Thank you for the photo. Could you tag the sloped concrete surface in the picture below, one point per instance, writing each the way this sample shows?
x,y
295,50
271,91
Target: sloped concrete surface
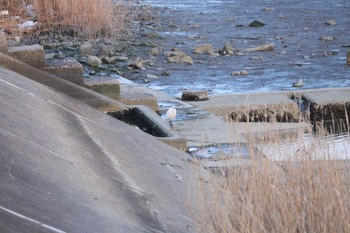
x,y
66,167
84,95
31,54
205,129
69,70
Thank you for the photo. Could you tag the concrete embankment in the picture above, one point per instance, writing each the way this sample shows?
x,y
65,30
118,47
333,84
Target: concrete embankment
x,y
249,118
67,167
84,95
242,118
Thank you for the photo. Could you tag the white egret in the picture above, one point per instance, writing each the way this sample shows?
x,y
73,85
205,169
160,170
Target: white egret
x,y
170,115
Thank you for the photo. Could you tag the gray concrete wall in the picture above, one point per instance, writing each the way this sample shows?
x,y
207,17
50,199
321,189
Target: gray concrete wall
x,y
84,95
66,167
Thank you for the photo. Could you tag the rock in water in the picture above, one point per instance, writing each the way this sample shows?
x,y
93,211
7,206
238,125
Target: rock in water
x,y
327,38
227,50
348,58
86,49
194,95
299,83
151,76
261,48
204,49
244,72
256,24
178,57
94,61
331,22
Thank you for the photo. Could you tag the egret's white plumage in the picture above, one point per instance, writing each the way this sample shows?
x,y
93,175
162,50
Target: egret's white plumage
x,y
170,115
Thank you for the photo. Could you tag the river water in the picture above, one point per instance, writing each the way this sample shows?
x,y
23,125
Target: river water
x,y
295,27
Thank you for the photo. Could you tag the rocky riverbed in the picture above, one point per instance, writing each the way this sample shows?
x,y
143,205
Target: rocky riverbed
x,y
307,40
221,46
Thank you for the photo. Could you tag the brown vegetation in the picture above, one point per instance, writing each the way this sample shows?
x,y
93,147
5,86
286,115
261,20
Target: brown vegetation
x,y
89,18
305,195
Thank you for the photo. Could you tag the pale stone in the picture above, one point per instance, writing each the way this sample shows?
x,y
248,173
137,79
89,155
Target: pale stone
x,y
331,22
299,83
268,9
86,49
154,51
227,50
204,49
235,73
115,59
151,76
264,47
327,38
28,24
178,57
50,56
244,72
137,64
94,61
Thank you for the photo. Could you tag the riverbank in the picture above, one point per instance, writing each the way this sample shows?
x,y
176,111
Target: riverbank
x,y
309,41
211,45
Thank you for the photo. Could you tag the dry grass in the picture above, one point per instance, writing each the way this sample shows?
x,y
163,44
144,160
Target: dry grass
x,y
88,18
298,196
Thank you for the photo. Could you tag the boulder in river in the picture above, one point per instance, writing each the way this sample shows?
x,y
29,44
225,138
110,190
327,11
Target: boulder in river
x,y
194,95
264,47
178,57
298,83
204,49
227,50
256,24
331,22
86,49
94,61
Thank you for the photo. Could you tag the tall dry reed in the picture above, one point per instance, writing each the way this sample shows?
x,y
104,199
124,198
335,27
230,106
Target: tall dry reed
x,y
89,18
300,196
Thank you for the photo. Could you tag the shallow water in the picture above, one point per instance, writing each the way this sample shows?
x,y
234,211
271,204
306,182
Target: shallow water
x,y
308,147
222,152
328,148
294,26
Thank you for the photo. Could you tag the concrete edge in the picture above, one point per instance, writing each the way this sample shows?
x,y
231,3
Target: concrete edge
x,y
287,93
89,97
82,94
173,138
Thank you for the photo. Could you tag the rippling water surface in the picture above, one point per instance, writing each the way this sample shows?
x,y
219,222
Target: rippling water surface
x,y
294,26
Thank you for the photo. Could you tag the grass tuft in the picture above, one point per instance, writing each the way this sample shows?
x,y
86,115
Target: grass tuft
x,y
87,18
307,194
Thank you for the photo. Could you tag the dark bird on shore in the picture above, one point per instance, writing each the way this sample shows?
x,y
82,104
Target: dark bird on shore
x,y
298,83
